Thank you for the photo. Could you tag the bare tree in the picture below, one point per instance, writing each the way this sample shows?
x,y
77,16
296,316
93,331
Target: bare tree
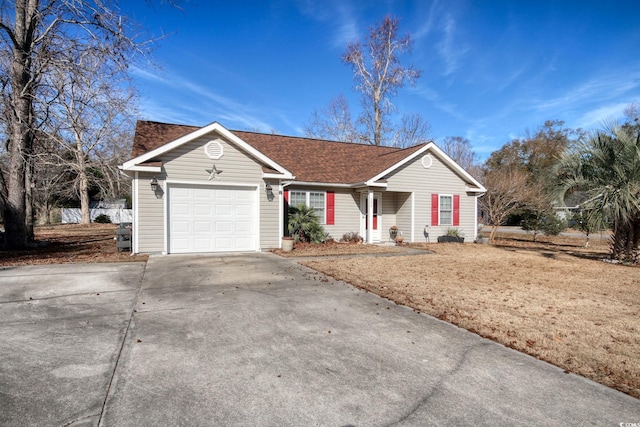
x,y
44,36
507,191
414,129
379,74
461,151
333,122
91,103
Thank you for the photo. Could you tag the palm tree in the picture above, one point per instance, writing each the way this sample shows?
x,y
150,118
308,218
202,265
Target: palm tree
x,y
606,166
304,224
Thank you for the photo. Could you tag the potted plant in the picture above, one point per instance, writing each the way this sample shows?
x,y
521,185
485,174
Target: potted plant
x,y
287,244
393,232
451,235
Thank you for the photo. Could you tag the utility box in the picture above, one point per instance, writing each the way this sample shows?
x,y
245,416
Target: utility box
x,y
123,236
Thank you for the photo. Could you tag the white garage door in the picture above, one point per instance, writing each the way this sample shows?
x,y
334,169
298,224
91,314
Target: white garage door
x,y
211,219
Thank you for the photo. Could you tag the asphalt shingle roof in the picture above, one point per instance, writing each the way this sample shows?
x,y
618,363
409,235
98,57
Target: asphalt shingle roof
x,y
310,160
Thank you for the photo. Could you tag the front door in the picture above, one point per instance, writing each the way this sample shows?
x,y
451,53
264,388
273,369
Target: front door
x,y
376,235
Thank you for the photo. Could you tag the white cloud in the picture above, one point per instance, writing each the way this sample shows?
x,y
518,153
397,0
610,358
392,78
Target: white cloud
x,y
450,51
604,87
428,25
599,117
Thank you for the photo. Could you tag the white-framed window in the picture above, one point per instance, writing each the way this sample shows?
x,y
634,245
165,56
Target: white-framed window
x,y
446,209
313,199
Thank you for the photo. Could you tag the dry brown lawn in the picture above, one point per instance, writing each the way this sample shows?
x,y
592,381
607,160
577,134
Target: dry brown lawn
x,y
71,243
554,300
336,249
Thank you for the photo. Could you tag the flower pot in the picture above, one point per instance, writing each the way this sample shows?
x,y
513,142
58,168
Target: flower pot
x,y
287,244
393,233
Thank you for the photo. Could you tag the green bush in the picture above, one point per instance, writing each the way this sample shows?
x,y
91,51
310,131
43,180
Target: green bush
x,y
304,225
102,219
547,223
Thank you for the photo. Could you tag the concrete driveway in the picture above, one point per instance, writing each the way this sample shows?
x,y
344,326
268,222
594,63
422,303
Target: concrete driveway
x,y
255,339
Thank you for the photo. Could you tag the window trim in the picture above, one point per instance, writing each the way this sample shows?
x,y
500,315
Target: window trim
x,y
440,196
307,192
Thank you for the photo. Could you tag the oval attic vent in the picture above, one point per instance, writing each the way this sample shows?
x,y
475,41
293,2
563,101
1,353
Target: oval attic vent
x,y
214,149
427,161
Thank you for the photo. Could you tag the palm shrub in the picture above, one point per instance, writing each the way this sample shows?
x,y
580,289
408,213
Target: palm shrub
x,y
304,225
606,166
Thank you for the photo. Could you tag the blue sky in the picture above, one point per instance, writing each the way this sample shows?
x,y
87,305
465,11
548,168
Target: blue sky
x,y
491,70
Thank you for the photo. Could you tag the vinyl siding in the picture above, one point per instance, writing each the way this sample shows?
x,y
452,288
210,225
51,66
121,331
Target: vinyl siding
x,y
438,179
269,221
389,214
403,217
188,163
150,216
347,214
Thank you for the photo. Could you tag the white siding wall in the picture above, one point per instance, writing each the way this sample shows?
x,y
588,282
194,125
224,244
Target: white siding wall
x,y
438,179
188,163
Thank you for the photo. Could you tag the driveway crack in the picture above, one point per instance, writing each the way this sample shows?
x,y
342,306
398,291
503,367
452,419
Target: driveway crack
x,y
124,340
438,385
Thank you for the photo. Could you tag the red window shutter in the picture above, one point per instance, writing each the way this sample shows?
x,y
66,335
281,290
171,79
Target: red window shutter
x,y
286,196
434,209
456,210
331,202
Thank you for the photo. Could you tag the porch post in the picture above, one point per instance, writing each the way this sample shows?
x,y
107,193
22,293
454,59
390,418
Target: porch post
x,y
370,216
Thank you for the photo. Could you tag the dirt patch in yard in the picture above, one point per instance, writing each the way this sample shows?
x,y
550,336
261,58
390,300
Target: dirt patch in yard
x,y
553,299
71,243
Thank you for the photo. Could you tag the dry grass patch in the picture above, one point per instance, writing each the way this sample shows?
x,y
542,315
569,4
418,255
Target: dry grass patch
x,y
71,243
553,300
336,249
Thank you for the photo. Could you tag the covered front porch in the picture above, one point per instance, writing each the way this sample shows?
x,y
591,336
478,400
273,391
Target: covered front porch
x,y
381,210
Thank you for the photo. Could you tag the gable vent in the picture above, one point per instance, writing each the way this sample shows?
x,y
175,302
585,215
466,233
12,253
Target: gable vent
x,y
427,161
214,149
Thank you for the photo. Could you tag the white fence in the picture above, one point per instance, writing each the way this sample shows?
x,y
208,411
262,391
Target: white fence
x,y
73,216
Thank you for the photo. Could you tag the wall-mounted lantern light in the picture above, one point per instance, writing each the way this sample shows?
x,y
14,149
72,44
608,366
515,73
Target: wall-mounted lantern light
x,y
154,184
269,189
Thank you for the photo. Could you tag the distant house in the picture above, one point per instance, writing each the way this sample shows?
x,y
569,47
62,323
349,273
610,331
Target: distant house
x,y
210,189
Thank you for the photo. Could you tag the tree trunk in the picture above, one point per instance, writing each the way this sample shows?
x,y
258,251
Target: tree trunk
x,y
83,188
17,230
492,235
377,134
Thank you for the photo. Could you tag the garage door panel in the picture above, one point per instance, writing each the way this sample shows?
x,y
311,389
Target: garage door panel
x,y
201,209
224,194
181,227
224,210
180,244
202,226
180,209
243,209
201,193
224,227
212,219
243,244
244,227
202,244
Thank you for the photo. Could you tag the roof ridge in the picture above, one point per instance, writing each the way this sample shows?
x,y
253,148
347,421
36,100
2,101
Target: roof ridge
x,y
383,147
359,144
